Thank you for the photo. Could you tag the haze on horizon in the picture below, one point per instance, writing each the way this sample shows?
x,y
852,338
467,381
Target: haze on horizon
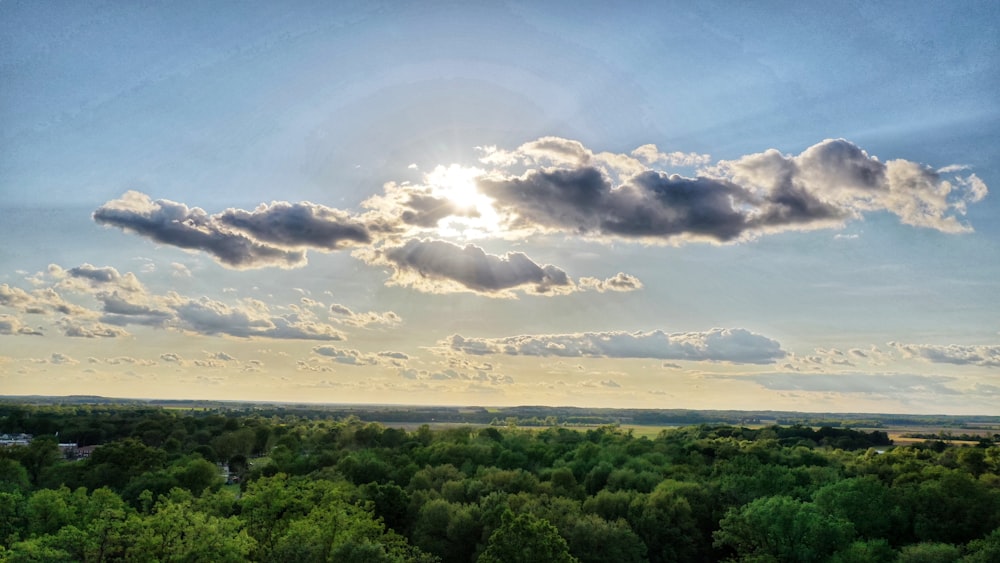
x,y
706,206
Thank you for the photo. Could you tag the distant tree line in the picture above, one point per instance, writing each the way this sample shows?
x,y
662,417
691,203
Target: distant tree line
x,y
525,415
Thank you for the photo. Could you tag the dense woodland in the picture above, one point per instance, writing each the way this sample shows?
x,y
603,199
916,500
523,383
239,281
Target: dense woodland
x,y
313,488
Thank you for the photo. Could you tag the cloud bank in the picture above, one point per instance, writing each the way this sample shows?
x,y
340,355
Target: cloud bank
x,y
614,198
735,345
955,354
123,300
890,385
557,185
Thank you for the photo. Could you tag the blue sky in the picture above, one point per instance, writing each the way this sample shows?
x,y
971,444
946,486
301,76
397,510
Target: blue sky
x,y
780,206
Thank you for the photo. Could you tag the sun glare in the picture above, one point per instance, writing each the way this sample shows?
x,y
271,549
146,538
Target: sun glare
x,y
457,184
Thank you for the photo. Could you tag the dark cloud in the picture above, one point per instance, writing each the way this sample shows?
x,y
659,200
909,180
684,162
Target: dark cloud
x,y
567,199
437,266
93,273
172,223
723,345
338,309
650,205
297,225
619,197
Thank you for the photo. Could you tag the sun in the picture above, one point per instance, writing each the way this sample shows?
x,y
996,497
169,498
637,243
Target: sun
x,y
458,184
475,215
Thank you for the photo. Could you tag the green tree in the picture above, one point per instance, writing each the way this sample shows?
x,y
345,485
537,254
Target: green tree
x,y
564,483
336,530
196,474
610,505
230,444
592,539
36,550
13,476
268,507
390,502
12,523
106,525
526,539
452,531
176,531
870,551
952,507
784,529
973,460
114,465
929,552
157,483
865,502
674,521
48,510
984,550
38,456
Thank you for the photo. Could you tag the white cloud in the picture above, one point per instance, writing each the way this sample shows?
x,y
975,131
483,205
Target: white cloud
x,y
475,377
723,345
248,318
179,270
344,315
59,358
11,325
91,330
619,282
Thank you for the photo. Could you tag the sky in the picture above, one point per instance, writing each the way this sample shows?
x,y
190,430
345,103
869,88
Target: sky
x,y
678,205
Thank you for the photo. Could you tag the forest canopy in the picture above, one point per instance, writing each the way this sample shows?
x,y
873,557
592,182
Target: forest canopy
x,y
142,483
